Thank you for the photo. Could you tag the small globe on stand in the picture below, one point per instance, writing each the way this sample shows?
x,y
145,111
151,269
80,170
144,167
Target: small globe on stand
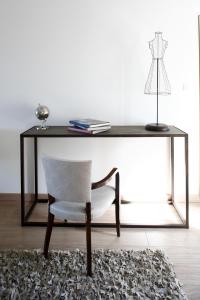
x,y
42,113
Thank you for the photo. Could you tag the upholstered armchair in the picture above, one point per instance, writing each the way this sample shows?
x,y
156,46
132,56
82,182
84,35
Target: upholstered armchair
x,y
73,197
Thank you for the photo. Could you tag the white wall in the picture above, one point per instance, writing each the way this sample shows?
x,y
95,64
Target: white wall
x,y
91,59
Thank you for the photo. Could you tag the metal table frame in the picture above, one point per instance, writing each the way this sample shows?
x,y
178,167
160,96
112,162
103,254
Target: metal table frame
x,y
116,132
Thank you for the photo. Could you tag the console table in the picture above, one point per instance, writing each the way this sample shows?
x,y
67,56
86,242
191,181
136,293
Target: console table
x,y
114,132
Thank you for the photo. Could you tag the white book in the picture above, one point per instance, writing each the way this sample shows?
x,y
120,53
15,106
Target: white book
x,y
93,131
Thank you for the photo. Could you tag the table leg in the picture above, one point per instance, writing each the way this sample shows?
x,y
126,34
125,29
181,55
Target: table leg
x,y
36,167
22,179
171,198
187,181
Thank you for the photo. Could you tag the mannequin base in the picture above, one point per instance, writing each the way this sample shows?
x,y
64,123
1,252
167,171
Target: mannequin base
x,y
157,127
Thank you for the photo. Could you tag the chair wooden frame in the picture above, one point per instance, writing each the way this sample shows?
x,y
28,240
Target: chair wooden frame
x,y
94,185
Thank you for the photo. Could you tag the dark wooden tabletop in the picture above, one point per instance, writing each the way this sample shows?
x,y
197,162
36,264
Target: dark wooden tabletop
x,y
115,131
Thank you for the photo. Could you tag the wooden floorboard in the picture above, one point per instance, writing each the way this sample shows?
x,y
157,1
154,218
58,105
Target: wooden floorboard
x,y
182,246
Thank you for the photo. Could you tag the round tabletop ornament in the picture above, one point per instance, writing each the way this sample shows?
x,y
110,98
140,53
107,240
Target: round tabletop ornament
x,y
42,113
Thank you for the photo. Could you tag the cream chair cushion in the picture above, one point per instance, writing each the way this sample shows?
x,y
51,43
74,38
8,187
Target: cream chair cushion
x,y
101,200
69,182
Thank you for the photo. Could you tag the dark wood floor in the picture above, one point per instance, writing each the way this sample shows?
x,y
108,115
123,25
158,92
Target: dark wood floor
x,y
182,246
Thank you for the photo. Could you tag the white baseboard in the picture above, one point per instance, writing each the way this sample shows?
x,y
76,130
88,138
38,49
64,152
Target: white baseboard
x,y
179,198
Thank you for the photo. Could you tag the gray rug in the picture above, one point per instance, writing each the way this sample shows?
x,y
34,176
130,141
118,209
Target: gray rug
x,y
137,275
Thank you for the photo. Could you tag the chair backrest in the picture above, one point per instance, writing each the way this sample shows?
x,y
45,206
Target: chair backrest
x,y
68,180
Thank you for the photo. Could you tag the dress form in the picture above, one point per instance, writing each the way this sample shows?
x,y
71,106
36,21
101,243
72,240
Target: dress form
x,y
157,81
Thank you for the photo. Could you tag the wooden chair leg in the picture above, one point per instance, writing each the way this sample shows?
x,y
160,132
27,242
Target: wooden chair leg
x,y
117,218
48,234
88,239
117,204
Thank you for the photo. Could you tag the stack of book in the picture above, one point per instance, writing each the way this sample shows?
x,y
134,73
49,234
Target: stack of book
x,y
89,126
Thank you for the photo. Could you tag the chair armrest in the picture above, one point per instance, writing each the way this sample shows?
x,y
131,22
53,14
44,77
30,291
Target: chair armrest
x,y
105,180
51,199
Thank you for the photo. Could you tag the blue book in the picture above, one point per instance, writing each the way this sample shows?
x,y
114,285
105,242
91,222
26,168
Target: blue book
x,y
89,123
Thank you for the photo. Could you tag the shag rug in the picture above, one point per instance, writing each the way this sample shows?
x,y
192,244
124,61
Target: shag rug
x,y
136,275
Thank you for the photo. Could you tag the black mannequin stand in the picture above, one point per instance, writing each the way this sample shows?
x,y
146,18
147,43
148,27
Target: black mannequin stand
x,y
157,126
